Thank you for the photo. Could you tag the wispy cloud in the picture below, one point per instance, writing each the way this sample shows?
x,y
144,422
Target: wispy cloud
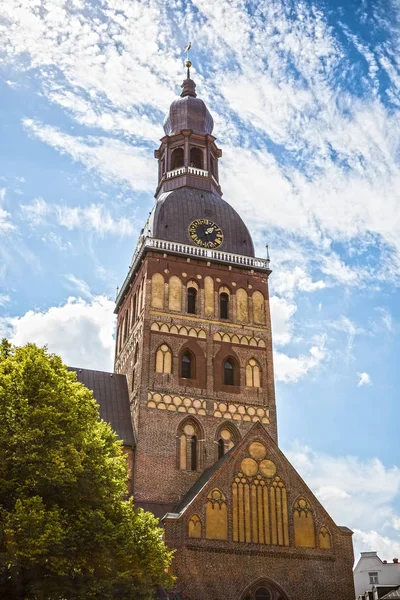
x,y
93,217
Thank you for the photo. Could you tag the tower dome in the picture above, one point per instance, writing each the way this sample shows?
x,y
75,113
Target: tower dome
x,y
188,112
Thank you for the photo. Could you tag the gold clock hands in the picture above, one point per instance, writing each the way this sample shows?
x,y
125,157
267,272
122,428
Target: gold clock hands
x,y
209,230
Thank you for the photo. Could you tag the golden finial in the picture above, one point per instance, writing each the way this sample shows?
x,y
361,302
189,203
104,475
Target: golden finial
x,y
188,63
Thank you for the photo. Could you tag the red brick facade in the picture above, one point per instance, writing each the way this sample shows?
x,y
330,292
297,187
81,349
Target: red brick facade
x,y
244,524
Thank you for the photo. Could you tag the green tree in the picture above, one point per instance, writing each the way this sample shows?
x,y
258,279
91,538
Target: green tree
x,y
66,529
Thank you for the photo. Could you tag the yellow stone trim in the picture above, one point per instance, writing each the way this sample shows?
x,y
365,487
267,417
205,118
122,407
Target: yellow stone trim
x,y
178,330
173,403
241,412
246,340
211,321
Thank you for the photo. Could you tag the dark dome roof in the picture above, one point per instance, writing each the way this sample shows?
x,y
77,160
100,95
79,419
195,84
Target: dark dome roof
x,y
188,112
175,211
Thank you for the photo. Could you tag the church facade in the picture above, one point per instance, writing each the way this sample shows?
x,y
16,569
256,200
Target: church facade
x,y
194,345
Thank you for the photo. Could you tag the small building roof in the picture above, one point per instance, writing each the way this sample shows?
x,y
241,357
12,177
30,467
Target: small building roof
x,y
110,391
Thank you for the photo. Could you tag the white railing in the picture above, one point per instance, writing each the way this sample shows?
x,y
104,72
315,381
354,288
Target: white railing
x,y
184,170
189,250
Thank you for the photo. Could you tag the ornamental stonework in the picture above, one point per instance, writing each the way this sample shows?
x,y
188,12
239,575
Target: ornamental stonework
x,y
180,404
241,412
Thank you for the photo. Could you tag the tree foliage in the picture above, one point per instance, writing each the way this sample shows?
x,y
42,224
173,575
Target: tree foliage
x,y
66,529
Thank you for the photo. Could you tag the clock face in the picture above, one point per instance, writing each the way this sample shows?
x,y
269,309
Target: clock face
x,y
205,233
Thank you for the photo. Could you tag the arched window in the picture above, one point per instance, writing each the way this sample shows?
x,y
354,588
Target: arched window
x,y
189,448
196,158
253,378
136,353
303,520
191,300
133,380
224,305
227,437
187,366
163,359
228,373
177,158
126,323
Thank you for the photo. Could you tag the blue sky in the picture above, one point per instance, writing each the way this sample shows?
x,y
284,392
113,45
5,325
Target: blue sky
x,y
305,97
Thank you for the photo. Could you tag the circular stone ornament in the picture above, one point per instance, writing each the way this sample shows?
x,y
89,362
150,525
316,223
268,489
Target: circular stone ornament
x,y
267,468
257,450
249,467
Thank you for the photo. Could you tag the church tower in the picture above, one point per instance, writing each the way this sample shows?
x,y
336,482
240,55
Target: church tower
x,y
194,341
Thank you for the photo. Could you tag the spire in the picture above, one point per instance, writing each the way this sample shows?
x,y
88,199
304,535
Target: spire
x,y
188,86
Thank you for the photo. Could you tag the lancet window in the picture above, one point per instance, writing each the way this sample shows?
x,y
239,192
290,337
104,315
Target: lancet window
x,y
190,444
163,359
253,376
259,501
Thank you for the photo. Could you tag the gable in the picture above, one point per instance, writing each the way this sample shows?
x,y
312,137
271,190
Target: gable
x,y
254,495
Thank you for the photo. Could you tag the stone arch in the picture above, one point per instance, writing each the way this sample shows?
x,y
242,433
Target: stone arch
x,y
163,359
177,158
157,291
227,436
275,590
175,293
253,373
303,521
242,308
190,438
258,307
216,516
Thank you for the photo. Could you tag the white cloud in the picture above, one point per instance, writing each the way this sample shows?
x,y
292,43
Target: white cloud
x,y
5,224
290,369
80,331
364,379
80,285
94,217
282,311
361,494
112,159
2,194
4,299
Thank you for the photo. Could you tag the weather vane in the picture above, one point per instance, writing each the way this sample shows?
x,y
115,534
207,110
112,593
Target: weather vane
x,y
188,63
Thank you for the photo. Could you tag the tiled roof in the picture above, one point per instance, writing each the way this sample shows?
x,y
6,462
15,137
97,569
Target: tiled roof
x,y
111,393
199,484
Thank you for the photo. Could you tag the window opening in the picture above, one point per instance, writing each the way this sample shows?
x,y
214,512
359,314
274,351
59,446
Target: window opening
x,y
196,158
191,300
228,373
177,158
186,366
262,594
373,577
223,305
193,453
221,448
